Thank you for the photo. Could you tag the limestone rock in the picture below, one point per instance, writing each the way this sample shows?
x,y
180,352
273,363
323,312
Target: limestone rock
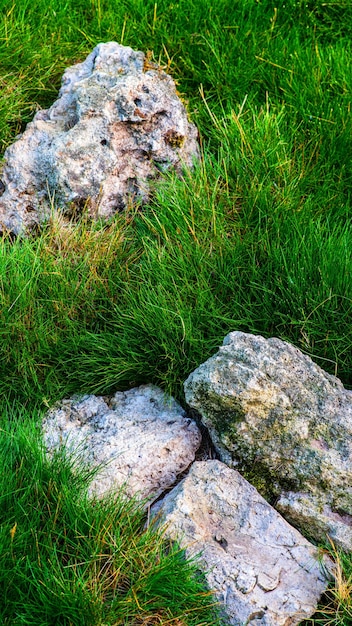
x,y
271,410
141,438
116,124
263,572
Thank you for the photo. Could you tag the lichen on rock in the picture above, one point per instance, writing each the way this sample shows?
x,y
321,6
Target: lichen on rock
x,y
269,406
116,125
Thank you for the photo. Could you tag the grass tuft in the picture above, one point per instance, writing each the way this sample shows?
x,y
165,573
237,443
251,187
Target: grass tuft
x,y
68,560
335,609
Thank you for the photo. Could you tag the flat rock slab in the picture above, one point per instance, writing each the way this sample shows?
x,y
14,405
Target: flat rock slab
x,y
263,571
117,123
142,438
269,408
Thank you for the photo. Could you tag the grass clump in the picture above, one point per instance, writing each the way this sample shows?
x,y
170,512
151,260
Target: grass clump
x,y
68,560
335,608
150,296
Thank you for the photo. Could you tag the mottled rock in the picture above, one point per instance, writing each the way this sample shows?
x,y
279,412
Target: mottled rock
x,y
117,123
263,572
141,438
274,412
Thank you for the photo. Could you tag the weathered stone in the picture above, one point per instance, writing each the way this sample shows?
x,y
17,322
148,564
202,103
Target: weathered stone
x,y
117,123
141,438
271,410
263,572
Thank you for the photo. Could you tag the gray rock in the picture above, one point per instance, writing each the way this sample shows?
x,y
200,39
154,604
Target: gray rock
x,y
263,572
117,123
270,410
141,439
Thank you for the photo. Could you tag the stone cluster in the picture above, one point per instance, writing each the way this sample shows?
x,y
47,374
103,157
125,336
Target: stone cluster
x,y
269,409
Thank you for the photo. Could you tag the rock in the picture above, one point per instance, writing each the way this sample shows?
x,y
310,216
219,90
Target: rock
x,y
263,572
270,410
116,124
141,438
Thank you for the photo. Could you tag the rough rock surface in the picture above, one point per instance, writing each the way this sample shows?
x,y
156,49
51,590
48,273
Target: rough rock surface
x,y
271,410
263,571
141,437
116,124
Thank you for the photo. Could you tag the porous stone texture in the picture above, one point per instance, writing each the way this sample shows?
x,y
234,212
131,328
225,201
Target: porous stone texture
x,y
141,438
271,410
118,122
263,572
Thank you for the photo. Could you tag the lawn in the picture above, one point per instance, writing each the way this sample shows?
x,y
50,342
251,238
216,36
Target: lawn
x,y
256,238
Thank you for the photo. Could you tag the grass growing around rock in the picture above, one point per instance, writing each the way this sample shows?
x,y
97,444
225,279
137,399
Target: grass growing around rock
x,y
67,560
257,238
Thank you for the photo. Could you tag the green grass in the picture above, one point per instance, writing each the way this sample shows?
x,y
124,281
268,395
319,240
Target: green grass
x,y
257,238
335,608
67,560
